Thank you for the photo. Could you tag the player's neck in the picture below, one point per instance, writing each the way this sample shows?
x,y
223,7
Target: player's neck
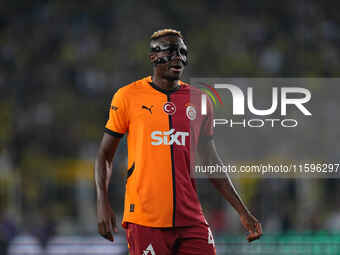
x,y
165,83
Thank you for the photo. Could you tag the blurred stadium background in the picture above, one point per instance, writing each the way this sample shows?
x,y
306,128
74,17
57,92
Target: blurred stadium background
x,y
61,62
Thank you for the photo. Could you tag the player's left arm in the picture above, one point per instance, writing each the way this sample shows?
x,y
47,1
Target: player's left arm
x,y
209,155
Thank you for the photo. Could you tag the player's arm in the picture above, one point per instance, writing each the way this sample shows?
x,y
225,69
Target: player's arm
x,y
209,155
102,172
115,128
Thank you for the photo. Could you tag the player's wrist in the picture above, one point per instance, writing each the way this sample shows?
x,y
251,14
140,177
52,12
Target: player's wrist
x,y
244,212
102,197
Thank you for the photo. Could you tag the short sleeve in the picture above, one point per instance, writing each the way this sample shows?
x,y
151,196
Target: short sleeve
x,y
117,124
207,130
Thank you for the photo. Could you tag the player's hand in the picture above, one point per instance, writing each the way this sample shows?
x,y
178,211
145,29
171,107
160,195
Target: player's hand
x,y
252,225
106,220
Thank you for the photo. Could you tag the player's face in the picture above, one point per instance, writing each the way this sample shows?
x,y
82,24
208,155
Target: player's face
x,y
173,49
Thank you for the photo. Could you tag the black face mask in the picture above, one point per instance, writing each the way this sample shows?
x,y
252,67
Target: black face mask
x,y
172,50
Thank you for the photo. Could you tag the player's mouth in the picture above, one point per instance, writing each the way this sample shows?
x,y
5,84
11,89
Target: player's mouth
x,y
176,68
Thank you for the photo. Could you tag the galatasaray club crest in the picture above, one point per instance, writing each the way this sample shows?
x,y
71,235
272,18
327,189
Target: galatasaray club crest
x,y
191,112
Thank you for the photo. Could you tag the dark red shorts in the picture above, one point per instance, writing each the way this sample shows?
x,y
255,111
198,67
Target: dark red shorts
x,y
195,240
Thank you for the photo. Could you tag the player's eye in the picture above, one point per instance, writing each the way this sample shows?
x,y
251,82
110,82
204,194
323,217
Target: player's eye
x,y
156,49
183,52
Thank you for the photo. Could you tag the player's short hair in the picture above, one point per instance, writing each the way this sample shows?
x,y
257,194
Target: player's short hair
x,y
164,32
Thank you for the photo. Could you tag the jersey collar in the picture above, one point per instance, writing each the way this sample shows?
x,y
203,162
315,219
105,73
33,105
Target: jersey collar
x,y
167,92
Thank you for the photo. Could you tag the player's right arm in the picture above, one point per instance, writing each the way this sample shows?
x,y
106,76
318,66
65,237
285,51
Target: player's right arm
x,y
115,128
102,172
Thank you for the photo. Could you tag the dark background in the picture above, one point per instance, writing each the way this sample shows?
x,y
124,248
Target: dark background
x,y
61,62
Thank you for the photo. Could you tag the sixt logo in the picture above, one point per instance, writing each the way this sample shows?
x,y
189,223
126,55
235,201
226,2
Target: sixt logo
x,y
168,137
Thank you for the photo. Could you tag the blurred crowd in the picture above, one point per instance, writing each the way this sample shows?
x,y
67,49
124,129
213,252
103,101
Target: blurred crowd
x,y
61,62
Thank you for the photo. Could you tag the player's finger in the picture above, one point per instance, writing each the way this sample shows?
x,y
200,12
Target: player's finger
x,y
250,236
101,228
256,234
113,224
252,227
109,236
107,226
258,227
105,231
110,230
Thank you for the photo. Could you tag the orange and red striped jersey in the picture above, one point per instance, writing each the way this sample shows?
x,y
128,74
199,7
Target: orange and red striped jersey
x,y
162,127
